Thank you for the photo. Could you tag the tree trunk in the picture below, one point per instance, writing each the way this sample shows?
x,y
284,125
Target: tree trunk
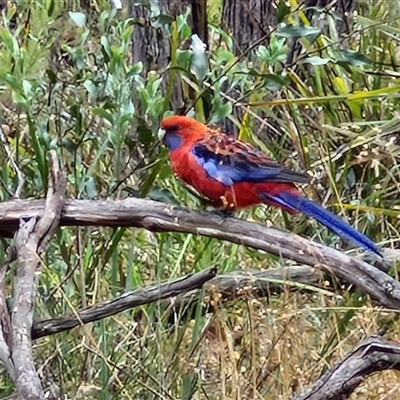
x,y
249,22
152,45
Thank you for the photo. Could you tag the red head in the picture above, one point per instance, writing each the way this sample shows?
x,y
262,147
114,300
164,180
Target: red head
x,y
177,130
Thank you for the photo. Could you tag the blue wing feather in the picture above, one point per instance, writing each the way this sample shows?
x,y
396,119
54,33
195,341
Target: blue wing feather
x,y
231,161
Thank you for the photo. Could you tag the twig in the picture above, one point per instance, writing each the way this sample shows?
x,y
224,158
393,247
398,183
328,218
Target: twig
x,y
124,302
31,241
371,355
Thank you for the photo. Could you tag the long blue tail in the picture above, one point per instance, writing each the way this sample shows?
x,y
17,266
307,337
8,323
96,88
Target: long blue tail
x,y
323,216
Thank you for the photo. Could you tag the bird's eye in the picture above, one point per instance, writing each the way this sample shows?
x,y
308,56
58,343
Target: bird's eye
x,y
172,130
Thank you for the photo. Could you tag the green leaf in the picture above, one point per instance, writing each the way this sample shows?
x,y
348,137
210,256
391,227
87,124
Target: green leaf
x,y
79,18
27,87
91,88
275,82
9,40
161,20
90,188
282,11
68,144
299,31
163,195
224,111
127,32
315,60
355,58
199,60
101,112
127,108
13,82
21,100
272,81
50,10
351,179
77,116
52,76
38,149
135,70
105,47
145,135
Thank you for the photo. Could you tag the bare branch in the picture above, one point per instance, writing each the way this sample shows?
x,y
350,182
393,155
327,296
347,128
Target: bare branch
x,y
124,302
160,217
188,290
234,285
31,241
371,355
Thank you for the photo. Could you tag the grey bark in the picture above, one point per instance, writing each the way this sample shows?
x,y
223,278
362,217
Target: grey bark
x,y
30,242
370,355
189,292
123,302
161,217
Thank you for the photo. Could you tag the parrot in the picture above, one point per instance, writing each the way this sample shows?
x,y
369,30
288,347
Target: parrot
x,y
232,174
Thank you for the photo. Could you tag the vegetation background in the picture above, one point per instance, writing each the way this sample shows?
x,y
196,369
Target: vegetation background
x,y
319,91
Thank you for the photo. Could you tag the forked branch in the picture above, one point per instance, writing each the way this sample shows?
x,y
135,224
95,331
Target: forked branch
x,y
30,242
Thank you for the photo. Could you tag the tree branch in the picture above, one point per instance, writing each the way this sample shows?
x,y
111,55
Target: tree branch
x,y
30,242
188,290
160,217
235,285
371,355
124,302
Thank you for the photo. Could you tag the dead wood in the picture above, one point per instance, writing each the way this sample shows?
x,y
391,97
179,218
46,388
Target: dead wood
x,y
160,217
124,302
30,242
189,290
371,355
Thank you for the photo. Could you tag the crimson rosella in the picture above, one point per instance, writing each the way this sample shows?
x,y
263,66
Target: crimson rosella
x,y
233,174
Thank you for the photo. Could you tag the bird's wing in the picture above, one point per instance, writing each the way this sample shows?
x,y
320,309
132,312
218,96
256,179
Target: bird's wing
x,y
231,161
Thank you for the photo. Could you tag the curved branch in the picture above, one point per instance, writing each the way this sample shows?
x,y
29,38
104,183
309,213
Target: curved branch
x,y
123,302
188,290
371,355
160,217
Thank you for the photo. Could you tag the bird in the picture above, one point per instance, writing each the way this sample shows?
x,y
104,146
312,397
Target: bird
x,y
232,174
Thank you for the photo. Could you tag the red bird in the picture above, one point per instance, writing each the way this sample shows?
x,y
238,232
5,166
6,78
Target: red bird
x,y
233,174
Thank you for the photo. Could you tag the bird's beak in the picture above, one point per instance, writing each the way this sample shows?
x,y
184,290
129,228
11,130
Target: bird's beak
x,y
161,134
